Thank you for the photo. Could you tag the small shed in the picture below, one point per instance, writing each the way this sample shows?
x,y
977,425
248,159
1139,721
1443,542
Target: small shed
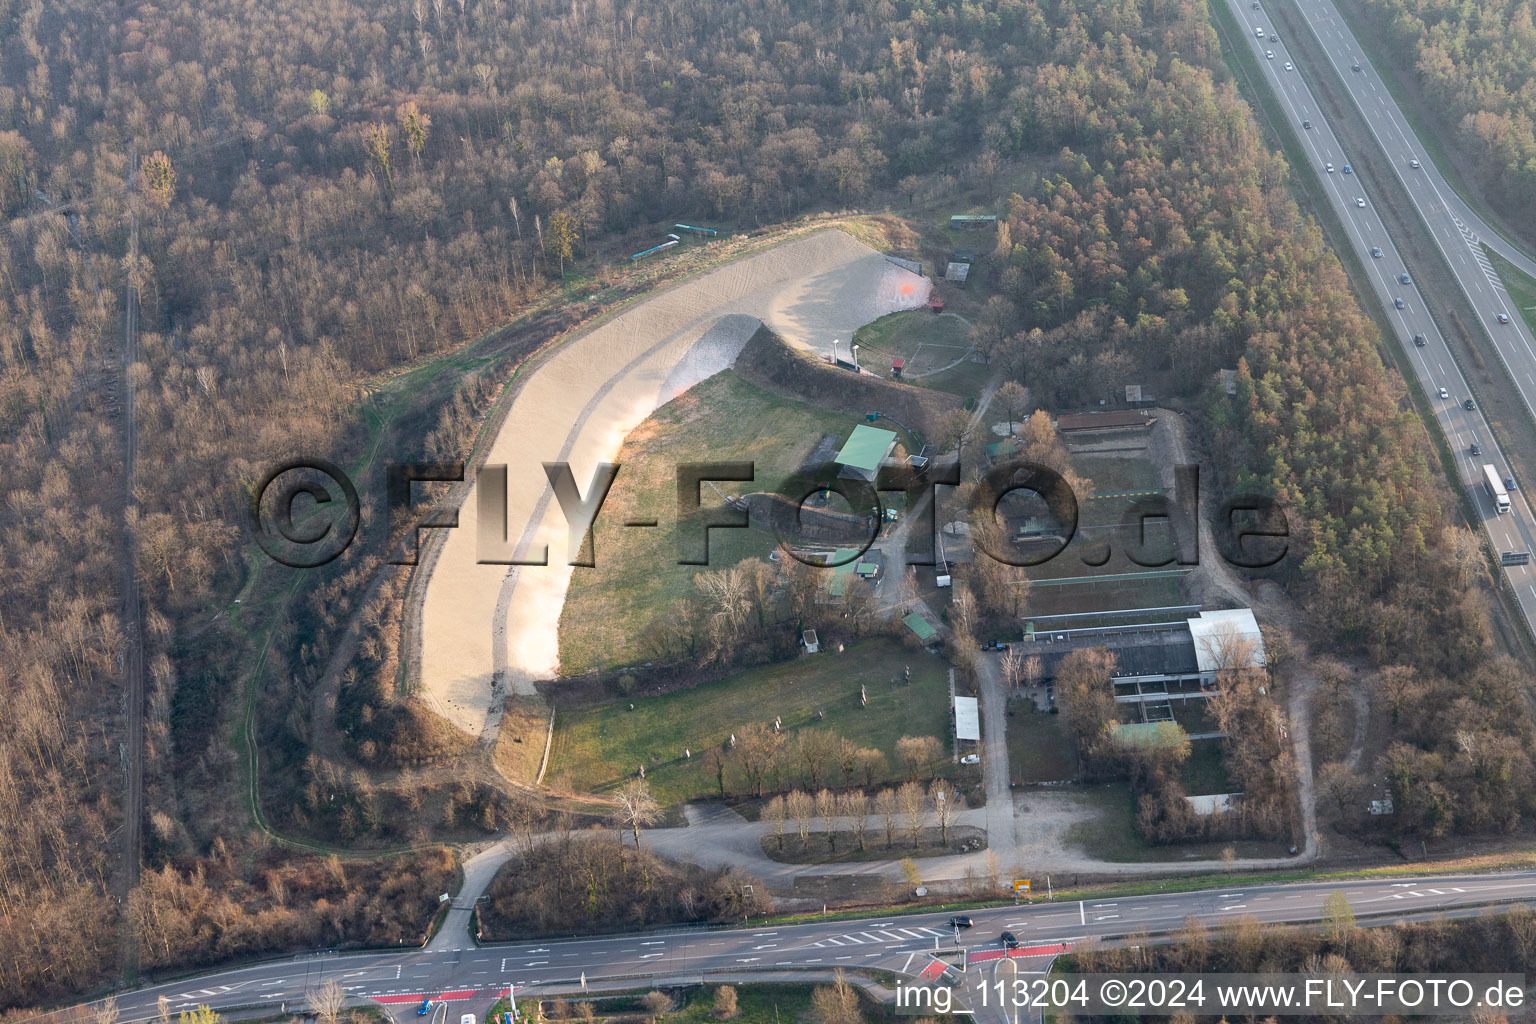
x,y
809,639
897,365
920,627
957,272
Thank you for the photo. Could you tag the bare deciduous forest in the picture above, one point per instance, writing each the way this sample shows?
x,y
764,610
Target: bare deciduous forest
x,y
327,193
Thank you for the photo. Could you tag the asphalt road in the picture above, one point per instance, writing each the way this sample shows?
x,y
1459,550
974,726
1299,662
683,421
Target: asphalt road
x,y
471,978
1432,362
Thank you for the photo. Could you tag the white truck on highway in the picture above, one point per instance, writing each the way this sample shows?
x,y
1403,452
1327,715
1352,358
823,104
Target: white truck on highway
x,y
1495,488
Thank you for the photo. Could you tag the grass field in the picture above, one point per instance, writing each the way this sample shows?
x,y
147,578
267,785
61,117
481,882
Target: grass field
x,y
596,749
1112,835
1522,290
636,578
1039,749
1205,772
928,343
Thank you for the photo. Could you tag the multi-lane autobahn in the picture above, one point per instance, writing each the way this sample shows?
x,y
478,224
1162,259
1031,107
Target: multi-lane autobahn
x,y
471,978
1448,220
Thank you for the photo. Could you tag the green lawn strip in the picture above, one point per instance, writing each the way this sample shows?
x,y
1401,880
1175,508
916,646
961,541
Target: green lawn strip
x,y
1522,290
596,749
637,576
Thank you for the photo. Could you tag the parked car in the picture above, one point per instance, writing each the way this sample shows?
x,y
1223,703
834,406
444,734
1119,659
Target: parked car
x,y
1503,319
1398,303
970,759
466,1018
960,922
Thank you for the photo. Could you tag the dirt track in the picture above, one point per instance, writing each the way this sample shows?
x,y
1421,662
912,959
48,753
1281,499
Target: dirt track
x,y
491,630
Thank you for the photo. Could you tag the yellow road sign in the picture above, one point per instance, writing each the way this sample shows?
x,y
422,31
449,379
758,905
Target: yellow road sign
x,y
1021,885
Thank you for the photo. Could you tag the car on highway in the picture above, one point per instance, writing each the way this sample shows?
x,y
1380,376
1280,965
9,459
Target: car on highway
x,y
1402,279
1306,124
1468,405
1398,303
1269,54
1475,448
1360,201
1288,66
1376,251
1444,393
1328,168
960,922
1356,66
1259,31
1255,4
1418,339
1008,940
1509,483
1348,169
1503,319
1414,164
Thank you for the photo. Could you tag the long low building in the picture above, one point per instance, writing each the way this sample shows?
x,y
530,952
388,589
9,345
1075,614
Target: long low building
x,y
1156,661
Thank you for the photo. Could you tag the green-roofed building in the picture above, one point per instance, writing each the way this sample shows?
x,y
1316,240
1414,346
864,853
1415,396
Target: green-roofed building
x,y
920,627
865,449
840,574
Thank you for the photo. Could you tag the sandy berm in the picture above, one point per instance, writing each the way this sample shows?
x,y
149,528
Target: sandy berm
x,y
490,630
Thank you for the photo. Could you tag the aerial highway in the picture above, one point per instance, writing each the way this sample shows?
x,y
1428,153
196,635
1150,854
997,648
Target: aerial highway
x,y
1427,352
471,978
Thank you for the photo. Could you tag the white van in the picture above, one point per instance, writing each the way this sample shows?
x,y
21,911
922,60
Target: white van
x,y
1259,32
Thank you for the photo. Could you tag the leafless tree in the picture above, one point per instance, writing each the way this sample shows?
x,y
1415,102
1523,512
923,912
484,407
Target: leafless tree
x,y
854,805
802,808
773,814
947,803
826,810
886,807
914,808
326,1001
637,807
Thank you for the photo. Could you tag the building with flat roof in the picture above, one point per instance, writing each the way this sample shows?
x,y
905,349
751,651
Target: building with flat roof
x,y
864,450
1156,663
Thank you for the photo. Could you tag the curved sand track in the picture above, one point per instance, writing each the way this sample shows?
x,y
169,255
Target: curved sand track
x,y
490,630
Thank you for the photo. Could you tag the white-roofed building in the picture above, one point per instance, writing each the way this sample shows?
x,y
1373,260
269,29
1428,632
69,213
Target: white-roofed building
x,y
967,719
1227,639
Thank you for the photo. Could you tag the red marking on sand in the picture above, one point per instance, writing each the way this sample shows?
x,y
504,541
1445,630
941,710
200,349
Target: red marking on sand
x,y
906,289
